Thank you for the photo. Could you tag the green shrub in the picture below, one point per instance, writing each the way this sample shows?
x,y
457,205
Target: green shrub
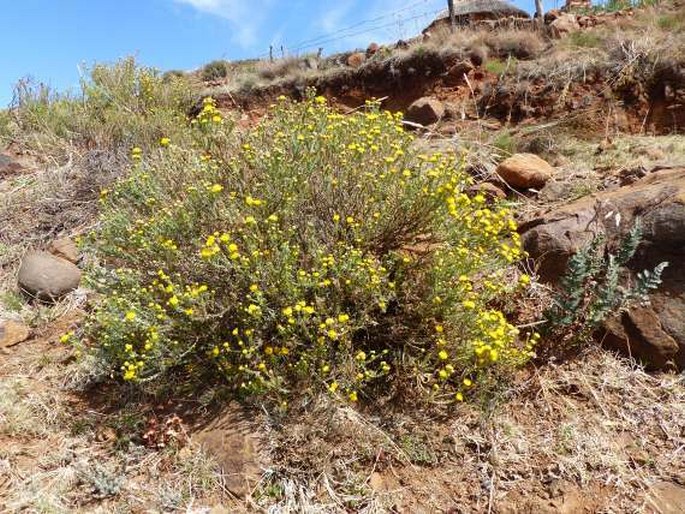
x,y
215,70
499,67
506,142
5,126
585,39
317,252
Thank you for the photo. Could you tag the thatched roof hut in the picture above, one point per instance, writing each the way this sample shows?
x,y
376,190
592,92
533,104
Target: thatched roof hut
x,y
468,11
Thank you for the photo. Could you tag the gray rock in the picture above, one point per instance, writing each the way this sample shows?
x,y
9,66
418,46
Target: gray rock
x,y
47,277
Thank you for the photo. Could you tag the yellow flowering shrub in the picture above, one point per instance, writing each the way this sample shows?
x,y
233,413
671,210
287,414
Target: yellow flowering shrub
x,y
316,252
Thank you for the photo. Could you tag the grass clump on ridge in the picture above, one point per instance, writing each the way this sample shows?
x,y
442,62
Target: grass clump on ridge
x,y
317,252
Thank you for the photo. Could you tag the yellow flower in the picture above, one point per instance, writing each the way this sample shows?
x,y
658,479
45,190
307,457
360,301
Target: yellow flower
x,y
459,397
216,188
442,354
130,316
173,301
333,387
439,329
332,334
254,310
353,396
524,280
165,141
343,318
468,304
468,382
254,288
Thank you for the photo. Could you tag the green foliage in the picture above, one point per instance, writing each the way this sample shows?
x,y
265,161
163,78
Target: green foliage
x,y
215,70
5,126
506,142
317,252
119,105
675,21
500,67
594,287
585,39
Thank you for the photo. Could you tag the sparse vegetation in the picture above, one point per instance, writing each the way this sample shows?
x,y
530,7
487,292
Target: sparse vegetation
x,y
120,105
594,289
215,70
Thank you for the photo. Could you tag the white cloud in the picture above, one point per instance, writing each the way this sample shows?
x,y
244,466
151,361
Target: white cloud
x,y
246,16
335,26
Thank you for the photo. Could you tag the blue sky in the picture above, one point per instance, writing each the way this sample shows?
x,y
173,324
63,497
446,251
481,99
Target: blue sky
x,y
53,40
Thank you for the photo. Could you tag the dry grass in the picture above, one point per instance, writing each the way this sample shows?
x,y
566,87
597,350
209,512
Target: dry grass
x,y
58,455
595,420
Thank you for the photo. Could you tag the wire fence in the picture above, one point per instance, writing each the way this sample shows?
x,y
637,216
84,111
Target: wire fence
x,y
421,11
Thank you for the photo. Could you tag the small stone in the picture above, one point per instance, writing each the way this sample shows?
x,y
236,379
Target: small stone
x,y
8,166
564,24
47,277
65,248
457,74
12,333
490,190
425,111
525,170
372,49
356,60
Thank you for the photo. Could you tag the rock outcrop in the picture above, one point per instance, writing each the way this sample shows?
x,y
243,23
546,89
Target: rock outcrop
x,y
653,334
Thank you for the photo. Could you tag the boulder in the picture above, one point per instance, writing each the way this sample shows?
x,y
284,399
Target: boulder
x,y
372,49
525,170
47,277
456,74
65,248
13,332
356,60
564,24
425,111
654,334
